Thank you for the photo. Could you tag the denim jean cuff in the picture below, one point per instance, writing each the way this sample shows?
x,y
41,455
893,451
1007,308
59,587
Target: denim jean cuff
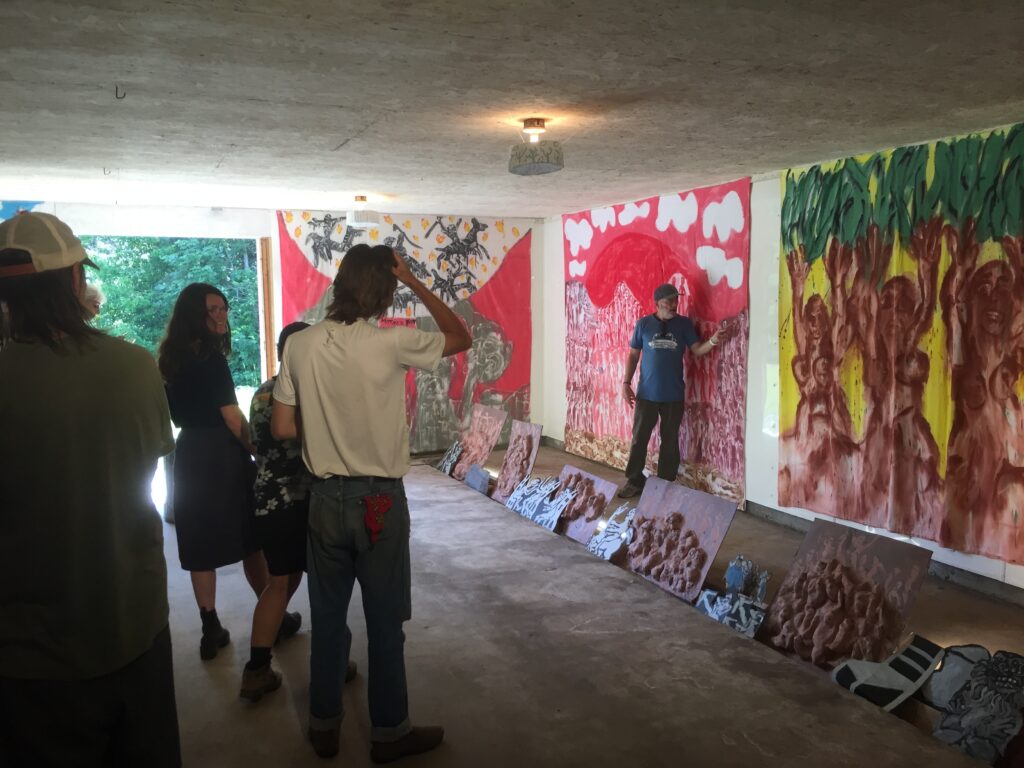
x,y
325,723
393,733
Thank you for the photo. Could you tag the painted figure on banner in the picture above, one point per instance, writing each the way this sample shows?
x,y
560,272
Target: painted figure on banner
x,y
479,267
982,312
323,245
902,487
435,419
822,437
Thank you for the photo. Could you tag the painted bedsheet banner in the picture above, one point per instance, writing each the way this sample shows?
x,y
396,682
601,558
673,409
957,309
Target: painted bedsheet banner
x,y
479,267
614,259
902,341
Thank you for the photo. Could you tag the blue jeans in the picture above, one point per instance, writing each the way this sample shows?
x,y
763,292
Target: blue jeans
x,y
339,551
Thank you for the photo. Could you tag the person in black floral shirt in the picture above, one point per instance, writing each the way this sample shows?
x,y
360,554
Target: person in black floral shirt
x,y
282,506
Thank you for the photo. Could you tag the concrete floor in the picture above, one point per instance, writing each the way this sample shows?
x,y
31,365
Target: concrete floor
x,y
532,652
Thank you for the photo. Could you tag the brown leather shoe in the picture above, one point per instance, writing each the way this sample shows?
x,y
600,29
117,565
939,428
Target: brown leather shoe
x,y
325,743
420,739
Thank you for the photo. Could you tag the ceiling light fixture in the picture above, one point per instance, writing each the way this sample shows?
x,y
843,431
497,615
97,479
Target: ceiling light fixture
x,y
534,127
536,157
359,216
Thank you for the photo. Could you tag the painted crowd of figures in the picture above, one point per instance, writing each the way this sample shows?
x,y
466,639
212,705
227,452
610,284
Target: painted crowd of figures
x,y
891,474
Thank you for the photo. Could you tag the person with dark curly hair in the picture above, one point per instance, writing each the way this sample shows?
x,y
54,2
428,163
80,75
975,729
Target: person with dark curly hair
x,y
213,467
346,376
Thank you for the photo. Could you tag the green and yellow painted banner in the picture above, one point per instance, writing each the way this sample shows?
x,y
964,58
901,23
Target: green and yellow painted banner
x,y
901,322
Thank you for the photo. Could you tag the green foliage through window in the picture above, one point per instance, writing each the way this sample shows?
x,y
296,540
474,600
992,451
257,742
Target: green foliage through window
x,y
142,276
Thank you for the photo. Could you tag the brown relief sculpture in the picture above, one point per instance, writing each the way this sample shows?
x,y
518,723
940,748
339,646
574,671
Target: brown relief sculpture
x,y
668,553
847,595
485,427
592,501
677,532
523,444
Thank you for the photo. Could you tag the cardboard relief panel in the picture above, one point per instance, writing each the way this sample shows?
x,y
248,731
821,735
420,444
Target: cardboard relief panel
x,y
477,444
847,596
611,542
592,499
447,462
523,444
677,532
540,501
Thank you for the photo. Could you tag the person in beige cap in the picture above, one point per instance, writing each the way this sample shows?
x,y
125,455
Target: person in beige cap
x,y
85,650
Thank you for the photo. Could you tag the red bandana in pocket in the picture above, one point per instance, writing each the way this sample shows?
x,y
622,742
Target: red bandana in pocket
x,y
376,507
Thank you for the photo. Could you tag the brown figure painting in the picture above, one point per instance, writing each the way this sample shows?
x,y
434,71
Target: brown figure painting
x,y
523,444
484,430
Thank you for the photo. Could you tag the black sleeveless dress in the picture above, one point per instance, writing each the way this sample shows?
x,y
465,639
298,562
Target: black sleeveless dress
x,y
213,473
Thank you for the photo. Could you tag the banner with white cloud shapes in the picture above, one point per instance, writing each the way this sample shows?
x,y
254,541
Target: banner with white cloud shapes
x,y
701,234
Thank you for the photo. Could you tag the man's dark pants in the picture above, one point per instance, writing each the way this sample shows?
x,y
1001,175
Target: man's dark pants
x,y
645,415
124,719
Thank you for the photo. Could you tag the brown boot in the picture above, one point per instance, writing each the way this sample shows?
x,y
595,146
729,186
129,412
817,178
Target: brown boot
x,y
420,739
256,682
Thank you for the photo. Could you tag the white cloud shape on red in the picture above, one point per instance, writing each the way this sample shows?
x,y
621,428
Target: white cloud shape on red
x,y
631,212
726,217
579,234
603,217
715,263
680,212
577,268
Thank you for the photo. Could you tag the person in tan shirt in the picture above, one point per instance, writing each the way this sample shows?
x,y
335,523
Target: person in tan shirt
x,y
346,376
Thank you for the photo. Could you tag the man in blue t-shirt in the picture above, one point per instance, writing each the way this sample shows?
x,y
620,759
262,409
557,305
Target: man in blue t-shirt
x,y
662,338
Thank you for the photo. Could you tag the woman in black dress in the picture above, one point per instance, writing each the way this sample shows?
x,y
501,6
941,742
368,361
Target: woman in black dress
x,y
213,467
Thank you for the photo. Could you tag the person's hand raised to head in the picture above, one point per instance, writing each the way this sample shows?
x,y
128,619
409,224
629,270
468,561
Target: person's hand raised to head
x,y
401,269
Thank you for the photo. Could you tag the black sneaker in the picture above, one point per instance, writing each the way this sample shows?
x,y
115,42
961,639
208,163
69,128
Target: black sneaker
x,y
213,641
290,624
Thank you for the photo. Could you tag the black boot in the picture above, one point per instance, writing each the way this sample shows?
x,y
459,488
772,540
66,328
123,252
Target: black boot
x,y
214,636
290,624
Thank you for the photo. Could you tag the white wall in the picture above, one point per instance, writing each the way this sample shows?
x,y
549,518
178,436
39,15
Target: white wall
x,y
549,327
762,443
155,221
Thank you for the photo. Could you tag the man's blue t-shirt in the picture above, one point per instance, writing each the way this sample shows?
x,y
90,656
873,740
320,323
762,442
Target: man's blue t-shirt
x,y
662,344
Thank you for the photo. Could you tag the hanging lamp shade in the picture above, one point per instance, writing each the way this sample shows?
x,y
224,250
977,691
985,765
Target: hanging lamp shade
x,y
536,158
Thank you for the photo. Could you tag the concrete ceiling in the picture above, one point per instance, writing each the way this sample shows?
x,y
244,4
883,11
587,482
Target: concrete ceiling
x,y
272,103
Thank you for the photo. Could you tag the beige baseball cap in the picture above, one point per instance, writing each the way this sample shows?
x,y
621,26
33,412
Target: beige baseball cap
x,y
48,241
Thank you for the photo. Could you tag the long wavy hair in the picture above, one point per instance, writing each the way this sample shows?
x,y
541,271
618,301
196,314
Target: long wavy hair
x,y
43,307
188,335
365,285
